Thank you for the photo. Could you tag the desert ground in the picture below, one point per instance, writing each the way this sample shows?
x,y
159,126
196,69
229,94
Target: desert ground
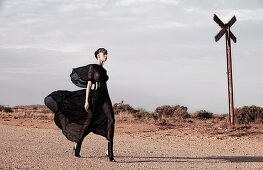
x,y
34,142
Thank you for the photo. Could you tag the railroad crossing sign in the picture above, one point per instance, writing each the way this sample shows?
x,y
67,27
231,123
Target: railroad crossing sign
x,y
229,35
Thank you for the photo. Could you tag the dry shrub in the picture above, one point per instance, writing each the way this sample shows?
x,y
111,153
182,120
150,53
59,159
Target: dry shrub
x,y
8,109
172,111
2,108
181,113
165,110
120,107
147,115
249,114
129,113
203,114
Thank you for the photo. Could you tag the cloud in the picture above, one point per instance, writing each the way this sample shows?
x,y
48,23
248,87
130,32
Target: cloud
x,y
174,2
71,27
139,2
244,10
244,14
75,7
168,25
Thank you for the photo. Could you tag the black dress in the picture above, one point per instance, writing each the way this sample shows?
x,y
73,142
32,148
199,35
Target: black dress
x,y
68,106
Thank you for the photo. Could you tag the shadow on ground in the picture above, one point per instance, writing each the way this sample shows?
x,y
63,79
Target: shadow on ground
x,y
190,159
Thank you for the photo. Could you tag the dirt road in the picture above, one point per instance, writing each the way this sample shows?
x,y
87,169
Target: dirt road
x,y
34,148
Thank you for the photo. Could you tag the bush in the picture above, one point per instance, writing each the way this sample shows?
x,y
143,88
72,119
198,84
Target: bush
x,y
172,111
248,114
127,111
120,107
8,109
181,113
165,110
2,108
203,114
147,115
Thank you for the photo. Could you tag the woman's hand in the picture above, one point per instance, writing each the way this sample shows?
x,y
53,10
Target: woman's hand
x,y
86,106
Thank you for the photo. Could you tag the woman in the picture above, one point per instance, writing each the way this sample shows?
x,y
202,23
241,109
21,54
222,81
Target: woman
x,y
77,113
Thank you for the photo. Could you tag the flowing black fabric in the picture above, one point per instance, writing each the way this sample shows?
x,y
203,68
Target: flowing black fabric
x,y
68,106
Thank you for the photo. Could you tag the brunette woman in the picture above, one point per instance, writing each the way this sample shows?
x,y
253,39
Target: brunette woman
x,y
77,113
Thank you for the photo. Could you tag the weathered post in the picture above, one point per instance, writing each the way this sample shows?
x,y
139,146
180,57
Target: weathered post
x,y
229,35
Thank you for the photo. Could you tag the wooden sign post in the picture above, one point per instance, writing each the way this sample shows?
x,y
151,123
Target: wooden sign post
x,y
229,35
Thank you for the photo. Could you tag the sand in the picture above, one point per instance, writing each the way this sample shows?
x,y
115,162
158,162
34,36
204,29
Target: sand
x,y
39,144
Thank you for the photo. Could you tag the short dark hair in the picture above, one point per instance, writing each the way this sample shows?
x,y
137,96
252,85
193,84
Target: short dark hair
x,y
101,50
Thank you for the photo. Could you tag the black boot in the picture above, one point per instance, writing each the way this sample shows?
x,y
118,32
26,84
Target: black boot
x,y
110,151
77,148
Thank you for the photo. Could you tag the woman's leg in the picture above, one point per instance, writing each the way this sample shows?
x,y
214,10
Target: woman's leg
x,y
78,147
84,131
108,110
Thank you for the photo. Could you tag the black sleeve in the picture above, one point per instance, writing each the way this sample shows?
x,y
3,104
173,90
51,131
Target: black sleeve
x,y
81,75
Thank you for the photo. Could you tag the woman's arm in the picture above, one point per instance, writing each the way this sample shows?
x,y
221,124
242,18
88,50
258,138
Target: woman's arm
x,y
86,106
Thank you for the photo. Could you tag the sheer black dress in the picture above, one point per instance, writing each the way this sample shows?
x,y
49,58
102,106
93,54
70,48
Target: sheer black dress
x,y
68,106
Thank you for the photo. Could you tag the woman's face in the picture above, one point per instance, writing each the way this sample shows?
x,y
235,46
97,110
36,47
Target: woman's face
x,y
102,56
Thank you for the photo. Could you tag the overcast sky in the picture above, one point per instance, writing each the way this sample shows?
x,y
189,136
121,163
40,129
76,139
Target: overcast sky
x,y
161,52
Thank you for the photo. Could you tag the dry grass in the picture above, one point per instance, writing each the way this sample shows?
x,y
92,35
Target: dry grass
x,y
125,116
33,115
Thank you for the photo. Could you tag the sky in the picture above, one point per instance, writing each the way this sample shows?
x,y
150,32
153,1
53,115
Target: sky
x,y
160,52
